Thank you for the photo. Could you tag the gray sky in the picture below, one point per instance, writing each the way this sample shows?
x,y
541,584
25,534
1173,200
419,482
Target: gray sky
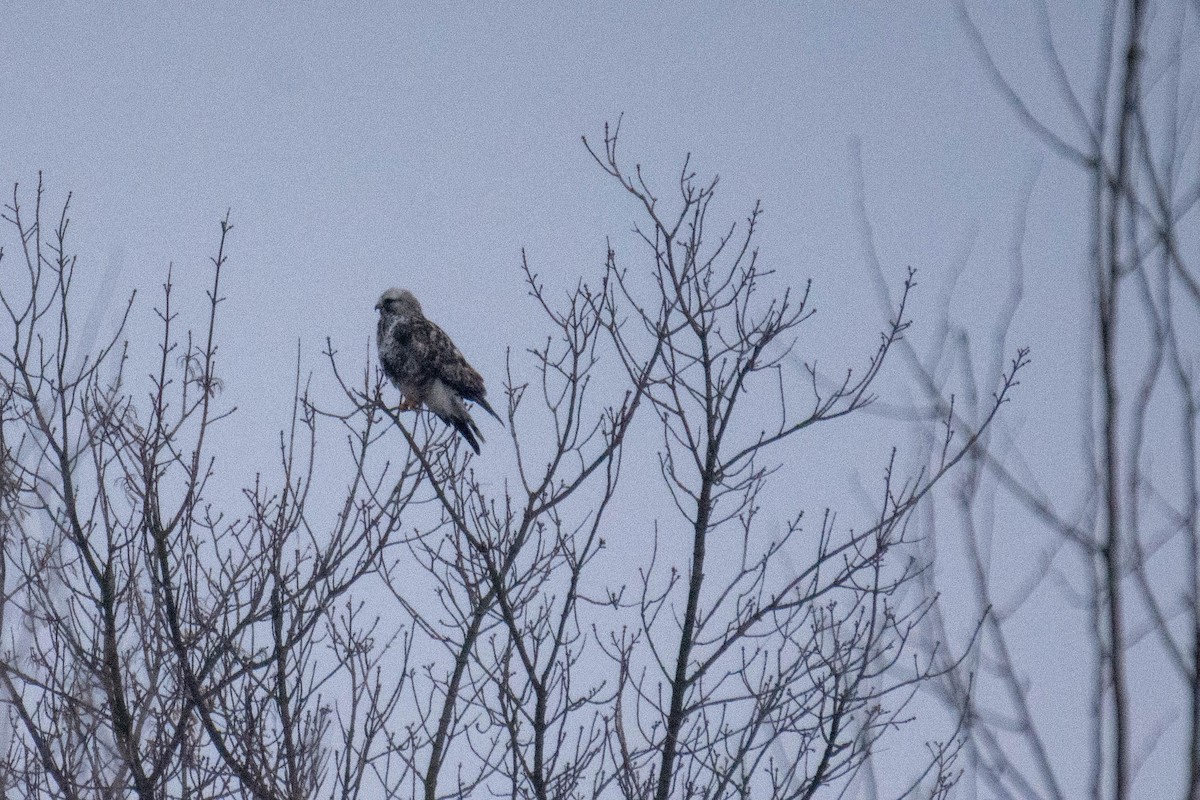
x,y
360,149
425,148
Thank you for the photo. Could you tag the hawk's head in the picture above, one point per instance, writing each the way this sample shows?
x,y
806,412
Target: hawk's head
x,y
400,302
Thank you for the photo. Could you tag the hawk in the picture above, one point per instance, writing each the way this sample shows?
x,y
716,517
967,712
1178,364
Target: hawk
x,y
423,363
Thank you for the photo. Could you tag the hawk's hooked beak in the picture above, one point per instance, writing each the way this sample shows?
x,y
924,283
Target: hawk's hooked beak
x,y
379,306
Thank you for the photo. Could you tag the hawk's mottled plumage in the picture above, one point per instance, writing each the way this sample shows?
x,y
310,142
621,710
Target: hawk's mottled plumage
x,y
426,367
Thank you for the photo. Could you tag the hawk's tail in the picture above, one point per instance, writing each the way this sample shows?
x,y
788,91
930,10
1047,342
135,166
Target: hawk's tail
x,y
467,427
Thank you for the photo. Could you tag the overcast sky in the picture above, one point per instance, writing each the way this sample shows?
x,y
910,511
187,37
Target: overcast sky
x,y
424,148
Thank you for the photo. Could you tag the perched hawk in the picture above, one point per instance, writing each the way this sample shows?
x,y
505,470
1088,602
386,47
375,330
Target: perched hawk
x,y
426,367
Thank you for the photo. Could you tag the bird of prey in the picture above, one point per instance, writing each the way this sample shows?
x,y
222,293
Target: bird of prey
x,y
423,363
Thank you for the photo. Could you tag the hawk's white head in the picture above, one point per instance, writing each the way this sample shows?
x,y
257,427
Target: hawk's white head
x,y
400,302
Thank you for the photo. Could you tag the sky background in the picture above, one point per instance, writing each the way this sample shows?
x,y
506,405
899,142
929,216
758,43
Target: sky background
x,y
425,148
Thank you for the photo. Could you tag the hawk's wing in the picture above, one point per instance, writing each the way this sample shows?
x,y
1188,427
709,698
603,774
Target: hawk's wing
x,y
444,361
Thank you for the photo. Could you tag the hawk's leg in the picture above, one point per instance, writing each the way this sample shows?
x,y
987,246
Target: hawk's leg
x,y
408,404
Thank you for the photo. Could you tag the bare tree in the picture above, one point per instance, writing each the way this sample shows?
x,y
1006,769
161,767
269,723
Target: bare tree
x,y
1124,548
501,706
744,678
406,627
155,642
